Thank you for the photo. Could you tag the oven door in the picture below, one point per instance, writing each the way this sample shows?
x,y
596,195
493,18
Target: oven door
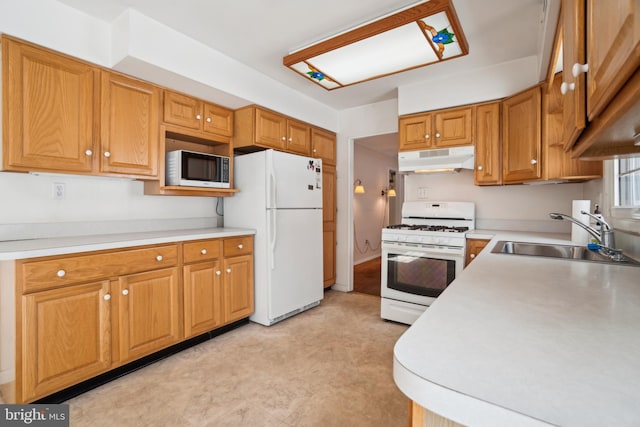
x,y
418,273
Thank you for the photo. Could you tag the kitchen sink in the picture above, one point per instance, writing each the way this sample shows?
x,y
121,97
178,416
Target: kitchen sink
x,y
578,253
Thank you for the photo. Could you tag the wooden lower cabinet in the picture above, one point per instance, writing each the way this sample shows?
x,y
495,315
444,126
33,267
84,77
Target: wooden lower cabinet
x,y
148,313
66,337
474,247
81,315
422,417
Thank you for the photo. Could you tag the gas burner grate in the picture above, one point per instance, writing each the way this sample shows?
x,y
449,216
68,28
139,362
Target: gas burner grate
x,y
442,228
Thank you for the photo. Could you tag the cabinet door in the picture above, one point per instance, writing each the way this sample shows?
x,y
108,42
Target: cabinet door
x,y
329,225
217,120
488,168
613,41
66,337
573,52
182,110
323,145
148,312
202,297
49,125
238,287
130,126
474,247
414,132
298,138
521,141
454,127
271,129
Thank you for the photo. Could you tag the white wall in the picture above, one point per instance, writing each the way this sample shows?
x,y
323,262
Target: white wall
x,y
521,207
371,209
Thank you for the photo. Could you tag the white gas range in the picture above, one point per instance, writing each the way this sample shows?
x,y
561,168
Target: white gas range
x,y
422,256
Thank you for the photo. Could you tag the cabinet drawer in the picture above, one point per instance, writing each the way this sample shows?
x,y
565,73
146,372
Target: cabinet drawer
x,y
53,272
201,250
238,246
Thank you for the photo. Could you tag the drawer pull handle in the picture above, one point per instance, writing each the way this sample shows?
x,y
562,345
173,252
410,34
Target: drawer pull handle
x,y
218,273
61,273
578,69
228,270
240,246
106,297
534,161
125,292
203,252
159,258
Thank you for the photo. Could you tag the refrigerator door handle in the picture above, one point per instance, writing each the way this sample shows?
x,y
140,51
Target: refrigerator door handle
x,y
272,243
272,190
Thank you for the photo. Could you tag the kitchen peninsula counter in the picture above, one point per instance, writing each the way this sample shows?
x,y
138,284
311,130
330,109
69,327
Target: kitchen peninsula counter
x,y
528,341
29,248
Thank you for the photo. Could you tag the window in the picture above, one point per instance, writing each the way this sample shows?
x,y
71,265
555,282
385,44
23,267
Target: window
x,y
627,182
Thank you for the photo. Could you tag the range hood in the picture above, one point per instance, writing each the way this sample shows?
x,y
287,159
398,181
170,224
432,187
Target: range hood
x,y
437,160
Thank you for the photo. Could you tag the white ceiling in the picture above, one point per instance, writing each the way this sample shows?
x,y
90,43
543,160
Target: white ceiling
x,y
259,33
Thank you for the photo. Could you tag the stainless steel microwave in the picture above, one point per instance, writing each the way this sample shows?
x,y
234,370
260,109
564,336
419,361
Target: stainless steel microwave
x,y
192,169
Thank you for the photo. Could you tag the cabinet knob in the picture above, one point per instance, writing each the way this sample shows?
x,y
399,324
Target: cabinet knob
x,y
315,151
427,136
578,69
437,134
203,252
566,87
208,119
480,167
61,273
106,297
240,246
218,273
198,116
107,154
290,139
534,161
228,270
88,152
472,256
125,292
284,138
159,258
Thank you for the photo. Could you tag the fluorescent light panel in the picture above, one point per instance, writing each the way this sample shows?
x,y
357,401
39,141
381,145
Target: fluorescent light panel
x,y
403,41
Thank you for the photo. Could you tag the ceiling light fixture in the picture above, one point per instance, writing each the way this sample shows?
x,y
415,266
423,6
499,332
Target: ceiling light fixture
x,y
414,37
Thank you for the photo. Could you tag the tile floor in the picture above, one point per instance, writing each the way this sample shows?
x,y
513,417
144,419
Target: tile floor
x,y
329,366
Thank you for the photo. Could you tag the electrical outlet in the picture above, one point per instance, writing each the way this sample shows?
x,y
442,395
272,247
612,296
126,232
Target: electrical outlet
x,y
422,192
58,190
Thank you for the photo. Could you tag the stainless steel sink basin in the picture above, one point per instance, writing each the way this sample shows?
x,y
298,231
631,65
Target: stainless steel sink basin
x,y
579,253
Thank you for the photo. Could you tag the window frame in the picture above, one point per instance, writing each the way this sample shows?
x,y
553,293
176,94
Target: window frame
x,y
624,218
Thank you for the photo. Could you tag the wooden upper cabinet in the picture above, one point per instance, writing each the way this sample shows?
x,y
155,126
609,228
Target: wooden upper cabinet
x,y
129,126
488,170
613,43
573,52
197,115
270,129
323,145
521,139
49,106
414,132
298,137
453,127
436,129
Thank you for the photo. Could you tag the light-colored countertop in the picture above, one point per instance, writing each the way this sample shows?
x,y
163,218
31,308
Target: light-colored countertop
x,y
528,341
19,249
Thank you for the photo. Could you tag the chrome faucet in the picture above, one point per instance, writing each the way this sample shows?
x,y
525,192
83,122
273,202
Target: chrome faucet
x,y
604,237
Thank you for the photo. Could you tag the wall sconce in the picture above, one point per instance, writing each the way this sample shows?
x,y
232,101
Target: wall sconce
x,y
389,193
359,187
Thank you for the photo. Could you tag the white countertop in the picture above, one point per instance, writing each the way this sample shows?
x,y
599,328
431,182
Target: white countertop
x,y
19,249
519,340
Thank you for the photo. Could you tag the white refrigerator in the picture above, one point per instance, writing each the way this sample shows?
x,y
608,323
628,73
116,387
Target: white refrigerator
x,y
281,198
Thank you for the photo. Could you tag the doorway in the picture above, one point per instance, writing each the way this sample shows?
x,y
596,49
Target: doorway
x,y
375,161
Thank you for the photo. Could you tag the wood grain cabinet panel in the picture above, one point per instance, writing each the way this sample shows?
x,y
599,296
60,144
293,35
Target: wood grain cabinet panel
x,y
488,168
323,146
329,225
298,138
197,115
129,126
238,287
521,137
202,297
414,132
66,337
148,312
474,247
450,127
270,129
49,106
